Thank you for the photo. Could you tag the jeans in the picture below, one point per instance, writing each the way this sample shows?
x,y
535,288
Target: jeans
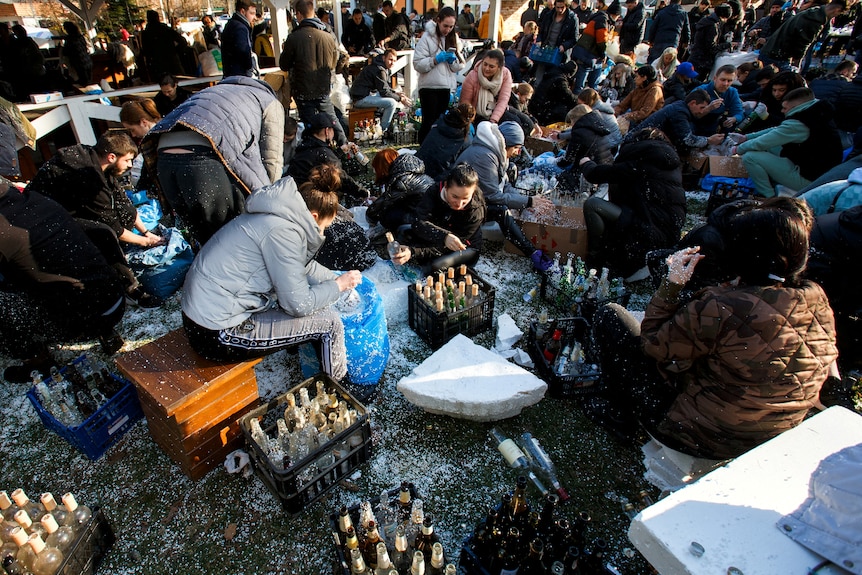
x,y
200,190
388,105
308,108
587,75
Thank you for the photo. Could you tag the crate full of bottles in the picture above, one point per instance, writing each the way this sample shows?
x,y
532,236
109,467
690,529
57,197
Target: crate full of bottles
x,y
562,351
448,303
85,405
574,290
391,535
516,538
47,537
304,442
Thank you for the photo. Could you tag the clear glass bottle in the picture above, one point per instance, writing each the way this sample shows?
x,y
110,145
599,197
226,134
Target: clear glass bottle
x,y
25,556
418,565
404,502
48,559
357,563
450,569
437,561
414,528
401,555
61,516
7,506
509,449
344,520
351,541
27,523
383,562
59,536
80,513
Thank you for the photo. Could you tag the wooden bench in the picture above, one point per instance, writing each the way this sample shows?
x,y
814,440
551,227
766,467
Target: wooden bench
x,y
356,115
192,405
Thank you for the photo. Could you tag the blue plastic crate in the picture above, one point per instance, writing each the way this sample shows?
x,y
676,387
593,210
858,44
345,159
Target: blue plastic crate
x,y
547,54
103,428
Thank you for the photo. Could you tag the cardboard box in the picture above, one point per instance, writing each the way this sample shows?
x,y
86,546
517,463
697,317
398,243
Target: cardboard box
x,y
727,167
537,146
42,98
563,232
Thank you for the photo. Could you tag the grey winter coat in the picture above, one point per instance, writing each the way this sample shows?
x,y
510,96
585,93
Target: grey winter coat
x,y
260,260
487,155
244,123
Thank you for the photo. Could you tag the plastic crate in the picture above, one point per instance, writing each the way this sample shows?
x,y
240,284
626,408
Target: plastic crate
x,y
438,327
468,563
342,563
547,54
89,548
103,428
296,494
726,192
405,138
566,386
585,308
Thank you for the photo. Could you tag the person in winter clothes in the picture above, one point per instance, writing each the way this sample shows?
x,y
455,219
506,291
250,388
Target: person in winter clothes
x,y
449,136
373,88
665,64
161,46
645,99
708,40
170,95
618,84
210,153
589,136
605,113
310,56
727,115
488,87
24,66
396,29
589,51
845,97
254,289
438,59
787,46
835,196
677,122
680,84
559,27
645,209
553,97
669,30
404,183
809,143
236,41
357,37
489,155
768,25
448,227
696,14
740,363
77,53
633,28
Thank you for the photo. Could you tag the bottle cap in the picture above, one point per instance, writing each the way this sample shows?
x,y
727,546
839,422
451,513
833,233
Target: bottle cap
x,y
36,543
5,502
69,502
20,498
19,536
48,501
23,519
49,523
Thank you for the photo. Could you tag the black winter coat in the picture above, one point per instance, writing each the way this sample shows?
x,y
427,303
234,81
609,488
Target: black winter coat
x,y
313,152
677,88
443,144
236,47
707,43
569,33
589,137
646,182
374,77
436,220
357,38
845,97
553,98
669,28
632,31
404,190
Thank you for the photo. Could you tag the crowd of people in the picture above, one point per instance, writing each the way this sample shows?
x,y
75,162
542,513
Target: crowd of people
x,y
710,371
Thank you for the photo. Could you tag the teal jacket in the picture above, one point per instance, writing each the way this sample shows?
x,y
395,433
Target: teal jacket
x,y
787,132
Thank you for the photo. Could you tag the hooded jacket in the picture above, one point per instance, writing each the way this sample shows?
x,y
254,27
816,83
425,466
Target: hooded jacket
x,y
844,194
310,56
633,28
487,155
432,74
373,78
749,362
707,42
594,39
792,39
74,179
247,138
590,137
442,146
406,185
669,29
260,260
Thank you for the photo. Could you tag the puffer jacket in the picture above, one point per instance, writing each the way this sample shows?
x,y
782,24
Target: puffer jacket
x,y
642,101
248,139
633,28
707,42
609,120
589,137
405,187
749,362
310,56
432,74
487,155
442,146
259,260
436,220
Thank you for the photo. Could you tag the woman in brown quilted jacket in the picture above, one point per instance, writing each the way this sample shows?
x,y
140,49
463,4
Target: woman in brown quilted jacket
x,y
646,98
738,364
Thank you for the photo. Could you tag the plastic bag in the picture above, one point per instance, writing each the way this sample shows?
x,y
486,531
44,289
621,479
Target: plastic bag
x,y
162,269
366,336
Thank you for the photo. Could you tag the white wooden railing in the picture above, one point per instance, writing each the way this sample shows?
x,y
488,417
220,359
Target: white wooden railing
x,y
78,111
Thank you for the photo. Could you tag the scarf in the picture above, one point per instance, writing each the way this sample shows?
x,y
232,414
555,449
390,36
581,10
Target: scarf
x,y
488,90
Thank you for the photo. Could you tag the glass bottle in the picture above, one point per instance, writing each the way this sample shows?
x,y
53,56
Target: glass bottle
x,y
509,449
553,346
81,514
258,435
485,537
27,524
357,563
427,538
450,569
571,559
546,517
344,520
393,248
7,506
57,536
519,509
25,556
383,563
351,541
61,516
33,509
532,563
369,545
418,565
437,561
417,517
401,556
48,559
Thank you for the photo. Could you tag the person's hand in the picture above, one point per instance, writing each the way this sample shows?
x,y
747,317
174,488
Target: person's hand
x,y
406,101
441,57
402,256
554,135
451,57
348,280
681,264
454,243
730,122
151,239
542,204
536,132
715,104
561,49
740,138
715,139
584,160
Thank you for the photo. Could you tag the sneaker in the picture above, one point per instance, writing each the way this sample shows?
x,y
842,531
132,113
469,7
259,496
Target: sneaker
x,y
138,297
111,343
540,261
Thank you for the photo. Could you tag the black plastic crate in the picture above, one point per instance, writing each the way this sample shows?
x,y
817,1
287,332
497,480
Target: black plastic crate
x,y
103,428
89,548
565,303
468,563
342,563
438,327
294,487
726,192
566,386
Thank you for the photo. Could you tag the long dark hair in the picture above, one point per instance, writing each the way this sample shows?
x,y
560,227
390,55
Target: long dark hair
x,y
452,37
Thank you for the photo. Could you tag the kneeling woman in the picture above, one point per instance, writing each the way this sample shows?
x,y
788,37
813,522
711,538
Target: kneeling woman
x,y
448,228
254,288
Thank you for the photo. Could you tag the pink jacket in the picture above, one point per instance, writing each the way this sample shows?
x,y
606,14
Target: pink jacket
x,y
470,92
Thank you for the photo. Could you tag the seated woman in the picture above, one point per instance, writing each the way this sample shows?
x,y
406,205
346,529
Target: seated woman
x,y
404,184
553,97
666,64
449,136
618,84
646,98
645,209
588,137
738,365
254,288
448,230
488,87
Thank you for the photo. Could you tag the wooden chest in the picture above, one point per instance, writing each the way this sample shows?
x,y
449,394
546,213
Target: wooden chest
x,y
192,405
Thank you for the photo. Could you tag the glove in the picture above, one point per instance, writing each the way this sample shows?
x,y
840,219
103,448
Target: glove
x,y
451,57
442,57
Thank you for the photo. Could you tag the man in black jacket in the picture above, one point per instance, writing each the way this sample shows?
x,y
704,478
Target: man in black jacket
x,y
372,88
676,121
357,37
236,41
55,285
708,40
633,28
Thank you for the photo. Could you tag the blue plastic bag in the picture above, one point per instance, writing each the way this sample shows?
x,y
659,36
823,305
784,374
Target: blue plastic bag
x,y
162,269
366,336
